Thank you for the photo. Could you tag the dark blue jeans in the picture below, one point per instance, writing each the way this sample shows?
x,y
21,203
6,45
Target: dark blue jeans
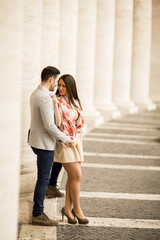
x,y
44,163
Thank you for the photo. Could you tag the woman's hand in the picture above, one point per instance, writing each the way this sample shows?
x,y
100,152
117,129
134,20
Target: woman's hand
x,y
54,98
75,139
56,110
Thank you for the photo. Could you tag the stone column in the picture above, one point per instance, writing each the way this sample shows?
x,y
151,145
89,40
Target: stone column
x,y
155,52
50,33
68,36
30,80
86,58
123,55
31,70
104,58
10,97
141,53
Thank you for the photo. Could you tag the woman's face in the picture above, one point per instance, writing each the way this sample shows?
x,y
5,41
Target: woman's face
x,y
62,88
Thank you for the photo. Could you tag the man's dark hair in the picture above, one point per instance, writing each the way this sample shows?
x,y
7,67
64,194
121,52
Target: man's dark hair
x,y
49,72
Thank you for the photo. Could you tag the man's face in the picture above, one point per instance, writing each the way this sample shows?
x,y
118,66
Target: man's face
x,y
53,83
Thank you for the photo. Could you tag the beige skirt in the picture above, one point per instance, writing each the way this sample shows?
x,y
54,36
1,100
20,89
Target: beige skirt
x,y
64,154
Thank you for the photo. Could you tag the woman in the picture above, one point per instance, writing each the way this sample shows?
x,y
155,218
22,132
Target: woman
x,y
69,119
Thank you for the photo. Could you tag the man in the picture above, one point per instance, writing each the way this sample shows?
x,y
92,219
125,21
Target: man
x,y
42,138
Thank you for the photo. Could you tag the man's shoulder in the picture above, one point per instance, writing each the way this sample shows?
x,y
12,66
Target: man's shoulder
x,y
39,93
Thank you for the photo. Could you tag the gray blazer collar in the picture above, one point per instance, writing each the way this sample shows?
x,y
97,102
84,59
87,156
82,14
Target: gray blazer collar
x,y
43,88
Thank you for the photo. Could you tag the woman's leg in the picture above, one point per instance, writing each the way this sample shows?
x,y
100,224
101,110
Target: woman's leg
x,y
73,188
68,201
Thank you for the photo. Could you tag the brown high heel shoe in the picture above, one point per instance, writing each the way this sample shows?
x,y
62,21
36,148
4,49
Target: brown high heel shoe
x,y
70,220
80,220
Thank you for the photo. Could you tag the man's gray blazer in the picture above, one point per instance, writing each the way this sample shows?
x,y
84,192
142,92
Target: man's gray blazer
x,y
43,132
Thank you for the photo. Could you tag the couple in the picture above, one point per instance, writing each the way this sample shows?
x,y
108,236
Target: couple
x,y
55,134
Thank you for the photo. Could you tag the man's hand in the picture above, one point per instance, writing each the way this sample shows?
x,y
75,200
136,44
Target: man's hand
x,y
69,142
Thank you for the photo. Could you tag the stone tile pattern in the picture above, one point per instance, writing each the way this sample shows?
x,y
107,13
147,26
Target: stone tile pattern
x,y
119,181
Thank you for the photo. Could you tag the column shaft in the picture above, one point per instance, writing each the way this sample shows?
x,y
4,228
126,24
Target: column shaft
x,y
50,33
123,54
86,56
141,53
104,54
86,51
155,52
68,36
10,97
31,69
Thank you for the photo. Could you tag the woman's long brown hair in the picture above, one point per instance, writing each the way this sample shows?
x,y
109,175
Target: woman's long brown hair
x,y
71,89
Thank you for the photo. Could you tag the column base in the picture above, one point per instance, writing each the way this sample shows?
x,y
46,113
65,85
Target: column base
x,y
109,111
93,118
28,162
127,107
147,105
157,104
26,207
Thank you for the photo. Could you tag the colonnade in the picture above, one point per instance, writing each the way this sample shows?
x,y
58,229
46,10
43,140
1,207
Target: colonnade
x,y
111,47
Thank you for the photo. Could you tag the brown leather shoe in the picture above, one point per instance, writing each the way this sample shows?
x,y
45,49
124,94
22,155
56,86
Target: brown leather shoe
x,y
53,191
43,220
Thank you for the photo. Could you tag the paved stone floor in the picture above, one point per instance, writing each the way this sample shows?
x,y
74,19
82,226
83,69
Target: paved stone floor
x,y
120,189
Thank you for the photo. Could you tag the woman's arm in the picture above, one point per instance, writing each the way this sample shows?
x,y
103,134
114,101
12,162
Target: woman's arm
x,y
79,127
56,110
